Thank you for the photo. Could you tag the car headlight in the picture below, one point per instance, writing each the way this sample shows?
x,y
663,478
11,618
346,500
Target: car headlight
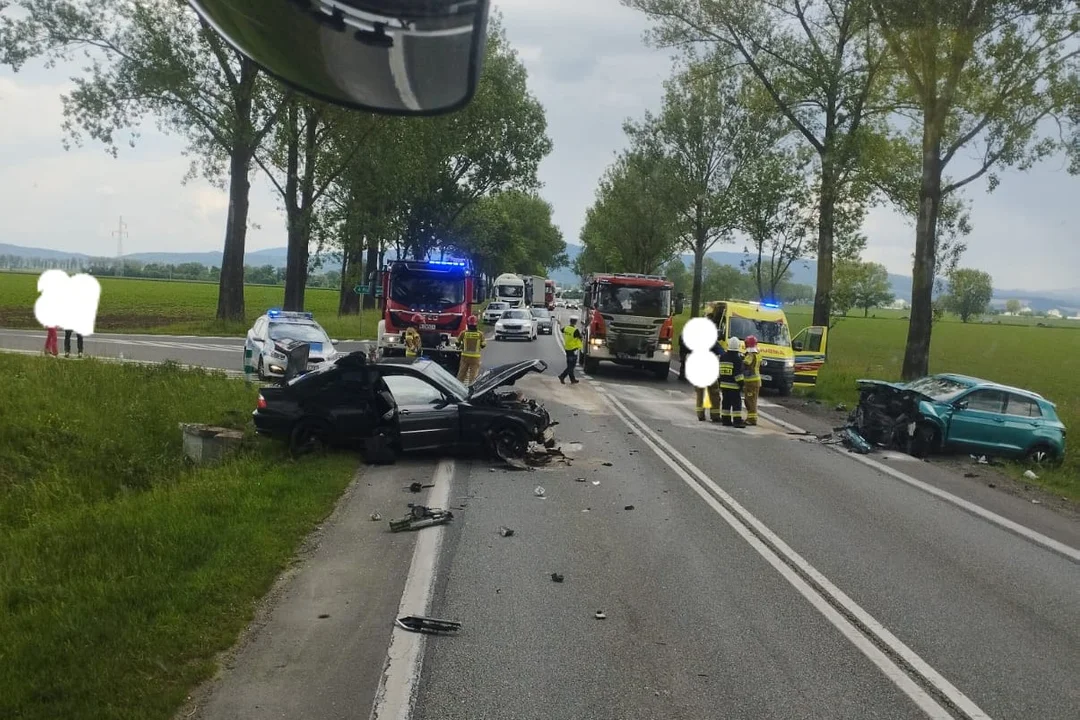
x,y
391,338
789,362
596,341
665,347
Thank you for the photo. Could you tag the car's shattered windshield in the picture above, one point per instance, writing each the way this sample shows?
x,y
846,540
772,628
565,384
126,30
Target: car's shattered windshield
x,y
939,388
768,332
425,289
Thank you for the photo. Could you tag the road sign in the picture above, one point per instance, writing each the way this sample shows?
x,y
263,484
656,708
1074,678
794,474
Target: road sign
x,y
360,289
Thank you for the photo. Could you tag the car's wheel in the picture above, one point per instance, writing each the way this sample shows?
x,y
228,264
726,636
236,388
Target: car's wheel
x,y
379,449
1041,454
509,441
307,437
925,440
661,372
259,372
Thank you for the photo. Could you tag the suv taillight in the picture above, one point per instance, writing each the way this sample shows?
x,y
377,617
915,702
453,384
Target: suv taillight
x,y
262,403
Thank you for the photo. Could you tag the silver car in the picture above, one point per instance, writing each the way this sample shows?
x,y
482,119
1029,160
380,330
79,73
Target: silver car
x,y
264,348
494,311
545,321
516,323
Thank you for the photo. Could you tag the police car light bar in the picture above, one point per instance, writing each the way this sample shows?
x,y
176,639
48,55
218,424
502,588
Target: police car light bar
x,y
279,313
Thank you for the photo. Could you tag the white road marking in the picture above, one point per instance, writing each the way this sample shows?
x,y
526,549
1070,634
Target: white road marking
x,y
825,597
405,658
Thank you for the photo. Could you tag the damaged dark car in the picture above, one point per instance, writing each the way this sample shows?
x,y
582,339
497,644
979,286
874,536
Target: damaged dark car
x,y
402,405
951,412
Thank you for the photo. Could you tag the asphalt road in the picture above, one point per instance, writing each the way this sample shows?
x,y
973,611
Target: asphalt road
x,y
759,574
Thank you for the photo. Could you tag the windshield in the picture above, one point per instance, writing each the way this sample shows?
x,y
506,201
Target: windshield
x,y
417,288
515,315
768,332
514,291
298,331
939,388
645,301
446,380
498,306
541,313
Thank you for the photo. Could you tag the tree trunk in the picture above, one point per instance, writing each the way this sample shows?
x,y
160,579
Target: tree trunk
x,y
917,352
231,280
370,266
826,221
296,260
352,268
699,271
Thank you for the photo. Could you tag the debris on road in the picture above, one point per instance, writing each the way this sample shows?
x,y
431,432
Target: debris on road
x,y
855,442
600,615
556,577
595,482
581,480
841,407
628,507
539,491
376,517
991,485
971,475
323,616
607,464
417,623
505,531
418,486
421,517
1030,475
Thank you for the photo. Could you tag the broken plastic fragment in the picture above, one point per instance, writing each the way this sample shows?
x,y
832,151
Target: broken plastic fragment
x,y
416,623
505,531
375,516
539,491
556,577
600,615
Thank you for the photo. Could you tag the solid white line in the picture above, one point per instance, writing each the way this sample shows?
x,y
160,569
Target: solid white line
x,y
731,508
1023,531
397,687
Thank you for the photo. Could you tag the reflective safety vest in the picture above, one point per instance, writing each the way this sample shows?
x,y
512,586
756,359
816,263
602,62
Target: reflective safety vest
x,y
413,343
731,370
571,338
752,368
472,342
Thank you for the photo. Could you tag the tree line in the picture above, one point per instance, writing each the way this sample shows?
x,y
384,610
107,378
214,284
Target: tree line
x,y
353,184
785,121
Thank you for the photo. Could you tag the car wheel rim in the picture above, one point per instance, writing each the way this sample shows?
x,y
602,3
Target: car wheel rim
x,y
1039,456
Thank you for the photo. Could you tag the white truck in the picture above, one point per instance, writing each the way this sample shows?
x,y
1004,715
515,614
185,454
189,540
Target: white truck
x,y
535,289
509,288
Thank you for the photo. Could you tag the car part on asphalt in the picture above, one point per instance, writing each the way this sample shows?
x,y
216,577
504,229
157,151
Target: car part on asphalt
x,y
417,486
855,442
376,517
556,577
599,615
419,517
539,492
433,626
506,532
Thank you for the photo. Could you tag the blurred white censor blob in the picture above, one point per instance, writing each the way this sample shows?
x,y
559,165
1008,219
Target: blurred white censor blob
x,y
68,302
702,366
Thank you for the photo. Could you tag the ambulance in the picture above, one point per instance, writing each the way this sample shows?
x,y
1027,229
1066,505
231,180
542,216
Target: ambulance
x,y
786,362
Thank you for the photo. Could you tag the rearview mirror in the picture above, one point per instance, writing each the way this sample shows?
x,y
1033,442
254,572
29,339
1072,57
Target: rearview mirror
x,y
391,57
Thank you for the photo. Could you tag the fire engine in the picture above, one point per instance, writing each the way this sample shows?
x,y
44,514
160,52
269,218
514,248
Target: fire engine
x,y
626,319
435,297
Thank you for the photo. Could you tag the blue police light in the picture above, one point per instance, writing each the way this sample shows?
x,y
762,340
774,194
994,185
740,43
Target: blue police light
x,y
775,306
274,312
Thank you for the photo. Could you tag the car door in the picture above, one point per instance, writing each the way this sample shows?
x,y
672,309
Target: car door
x,y
426,418
1022,421
344,403
252,348
810,347
978,421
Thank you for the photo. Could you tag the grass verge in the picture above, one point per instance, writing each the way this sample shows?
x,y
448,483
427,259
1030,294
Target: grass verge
x,y
177,307
123,571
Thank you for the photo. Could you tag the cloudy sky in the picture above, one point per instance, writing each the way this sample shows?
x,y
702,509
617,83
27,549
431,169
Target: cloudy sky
x,y
587,65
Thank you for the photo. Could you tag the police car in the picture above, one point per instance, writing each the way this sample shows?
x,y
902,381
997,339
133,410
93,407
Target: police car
x,y
265,346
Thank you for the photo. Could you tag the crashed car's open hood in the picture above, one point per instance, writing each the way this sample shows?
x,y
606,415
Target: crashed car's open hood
x,y
504,375
884,383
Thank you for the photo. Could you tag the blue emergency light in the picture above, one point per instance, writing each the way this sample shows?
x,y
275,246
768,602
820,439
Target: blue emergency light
x,y
775,306
279,313
449,263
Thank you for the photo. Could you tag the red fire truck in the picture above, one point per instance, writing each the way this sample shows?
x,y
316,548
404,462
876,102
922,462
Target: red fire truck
x,y
435,297
549,294
627,319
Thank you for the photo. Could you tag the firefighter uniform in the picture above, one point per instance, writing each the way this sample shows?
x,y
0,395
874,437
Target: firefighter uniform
x,y
472,342
413,344
751,379
708,399
731,380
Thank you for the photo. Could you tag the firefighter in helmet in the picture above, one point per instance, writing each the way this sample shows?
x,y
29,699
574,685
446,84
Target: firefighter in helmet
x,y
731,381
707,399
413,343
751,379
471,342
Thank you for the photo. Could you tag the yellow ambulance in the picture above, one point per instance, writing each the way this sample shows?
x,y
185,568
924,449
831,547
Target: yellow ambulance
x,y
786,362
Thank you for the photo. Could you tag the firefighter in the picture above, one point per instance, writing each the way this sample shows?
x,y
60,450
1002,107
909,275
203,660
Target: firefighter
x,y
708,398
751,379
731,380
413,344
471,342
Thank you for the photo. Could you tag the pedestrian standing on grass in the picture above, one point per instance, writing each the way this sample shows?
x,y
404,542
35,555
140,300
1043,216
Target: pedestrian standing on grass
x,y
67,343
572,346
51,341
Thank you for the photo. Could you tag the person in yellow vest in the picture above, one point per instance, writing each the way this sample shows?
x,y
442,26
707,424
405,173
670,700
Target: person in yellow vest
x,y
413,343
751,379
572,346
472,342
731,380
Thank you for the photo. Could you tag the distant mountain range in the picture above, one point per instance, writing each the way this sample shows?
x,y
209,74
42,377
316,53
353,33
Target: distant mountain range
x,y
802,271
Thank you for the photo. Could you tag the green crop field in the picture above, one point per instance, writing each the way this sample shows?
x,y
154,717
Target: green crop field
x,y
176,307
124,571
1021,354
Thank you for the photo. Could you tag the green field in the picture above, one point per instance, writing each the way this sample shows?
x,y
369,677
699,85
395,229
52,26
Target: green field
x,y
123,571
1020,354
176,307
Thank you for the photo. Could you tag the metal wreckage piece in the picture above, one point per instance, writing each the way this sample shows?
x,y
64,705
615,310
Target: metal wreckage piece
x,y
417,623
419,517
884,418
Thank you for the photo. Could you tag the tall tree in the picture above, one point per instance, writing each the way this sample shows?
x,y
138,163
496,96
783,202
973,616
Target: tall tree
x,y
970,292
712,130
872,288
632,226
510,232
155,58
676,272
820,63
983,73
774,208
